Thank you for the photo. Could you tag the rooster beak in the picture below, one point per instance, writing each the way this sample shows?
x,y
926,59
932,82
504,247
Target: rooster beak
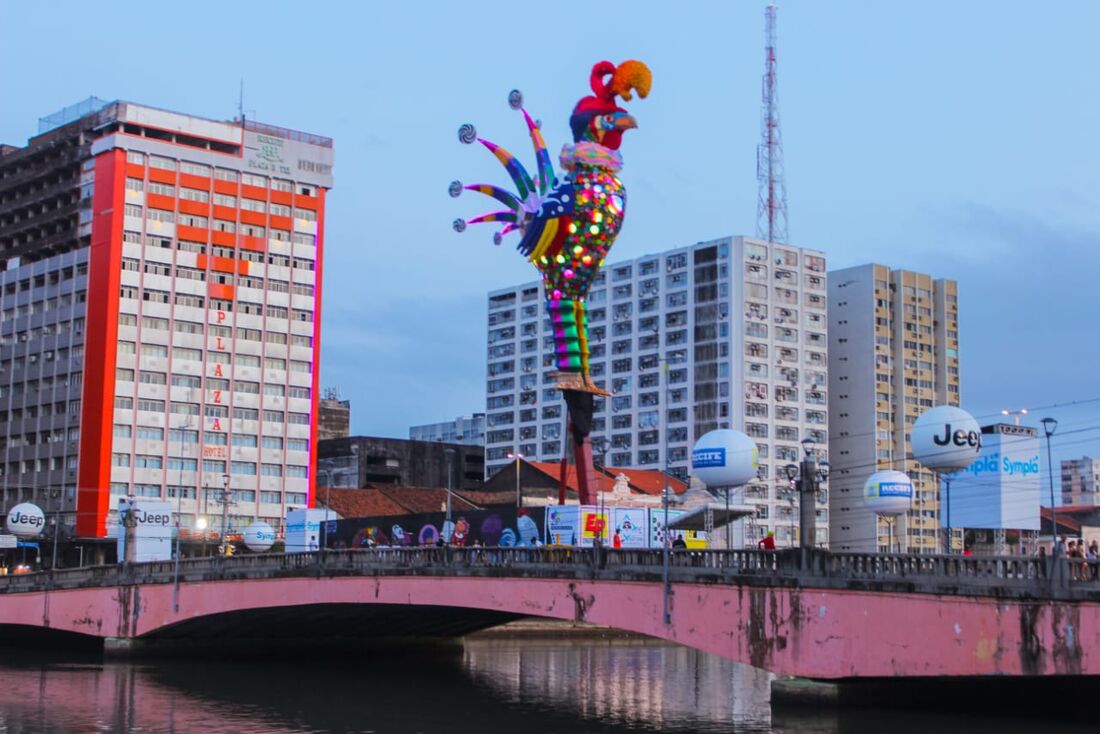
x,y
625,122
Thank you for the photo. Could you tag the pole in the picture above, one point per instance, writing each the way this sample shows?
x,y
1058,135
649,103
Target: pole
x,y
1049,426
56,530
450,460
129,524
324,522
664,502
729,528
225,509
176,571
519,502
807,502
947,515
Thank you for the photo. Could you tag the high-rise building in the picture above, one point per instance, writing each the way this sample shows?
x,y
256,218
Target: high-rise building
x,y
1081,481
465,429
159,314
740,324
333,416
371,461
893,354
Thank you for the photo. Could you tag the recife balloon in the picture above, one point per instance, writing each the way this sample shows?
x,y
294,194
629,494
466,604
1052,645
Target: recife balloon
x,y
888,492
724,458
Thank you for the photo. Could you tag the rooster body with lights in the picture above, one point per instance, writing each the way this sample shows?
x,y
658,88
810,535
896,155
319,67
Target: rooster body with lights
x,y
568,226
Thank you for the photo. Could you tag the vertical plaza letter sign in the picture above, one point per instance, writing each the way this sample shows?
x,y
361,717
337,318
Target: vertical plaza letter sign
x,y
216,395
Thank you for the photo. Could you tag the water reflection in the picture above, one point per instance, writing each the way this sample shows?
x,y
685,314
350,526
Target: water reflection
x,y
552,686
640,685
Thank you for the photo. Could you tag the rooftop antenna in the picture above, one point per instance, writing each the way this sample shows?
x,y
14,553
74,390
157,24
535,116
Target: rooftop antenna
x,y
771,207
240,103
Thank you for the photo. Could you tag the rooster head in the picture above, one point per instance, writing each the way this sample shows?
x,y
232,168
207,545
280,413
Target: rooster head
x,y
596,118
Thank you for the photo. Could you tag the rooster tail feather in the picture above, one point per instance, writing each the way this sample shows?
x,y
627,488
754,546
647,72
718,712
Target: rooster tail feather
x,y
504,197
504,216
546,177
520,177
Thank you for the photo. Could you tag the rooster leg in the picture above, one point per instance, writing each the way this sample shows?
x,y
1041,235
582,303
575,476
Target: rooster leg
x,y
581,406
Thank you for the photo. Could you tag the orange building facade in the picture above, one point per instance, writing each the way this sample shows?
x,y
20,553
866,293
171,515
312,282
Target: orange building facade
x,y
201,245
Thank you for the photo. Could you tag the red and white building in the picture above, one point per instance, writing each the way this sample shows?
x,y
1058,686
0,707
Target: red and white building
x,y
160,310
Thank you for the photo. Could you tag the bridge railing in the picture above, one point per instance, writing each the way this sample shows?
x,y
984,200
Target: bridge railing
x,y
978,575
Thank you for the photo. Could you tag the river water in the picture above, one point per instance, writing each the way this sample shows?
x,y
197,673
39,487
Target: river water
x,y
526,686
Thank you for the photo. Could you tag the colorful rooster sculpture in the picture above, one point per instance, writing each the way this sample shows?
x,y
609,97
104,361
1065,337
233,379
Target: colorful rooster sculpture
x,y
567,227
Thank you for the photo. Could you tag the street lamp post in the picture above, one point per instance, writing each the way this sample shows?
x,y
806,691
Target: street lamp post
x,y
666,551
176,571
179,512
450,461
200,525
129,530
517,456
1050,425
328,504
55,494
1015,414
601,446
807,477
225,511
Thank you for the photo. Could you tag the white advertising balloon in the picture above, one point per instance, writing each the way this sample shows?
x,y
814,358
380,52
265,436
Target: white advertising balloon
x,y
259,536
888,492
25,520
724,458
946,439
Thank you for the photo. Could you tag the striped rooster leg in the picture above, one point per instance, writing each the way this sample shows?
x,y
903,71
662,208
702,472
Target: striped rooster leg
x,y
567,319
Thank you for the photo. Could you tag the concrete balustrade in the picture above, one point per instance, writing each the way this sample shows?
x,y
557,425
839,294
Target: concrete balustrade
x,y
1009,576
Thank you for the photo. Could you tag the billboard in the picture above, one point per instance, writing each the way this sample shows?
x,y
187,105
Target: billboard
x,y
303,529
577,525
632,525
594,523
693,538
504,527
1001,488
562,524
153,533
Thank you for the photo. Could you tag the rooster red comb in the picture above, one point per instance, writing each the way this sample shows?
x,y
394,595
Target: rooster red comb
x,y
626,77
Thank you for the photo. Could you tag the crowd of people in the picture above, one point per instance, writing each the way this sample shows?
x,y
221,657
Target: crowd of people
x,y
1078,553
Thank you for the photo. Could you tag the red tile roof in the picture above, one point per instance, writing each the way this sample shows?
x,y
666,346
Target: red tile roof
x,y
360,503
1064,521
643,481
648,481
1076,509
400,500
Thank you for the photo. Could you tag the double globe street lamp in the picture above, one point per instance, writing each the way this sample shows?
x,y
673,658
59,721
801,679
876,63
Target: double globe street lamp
x,y
807,477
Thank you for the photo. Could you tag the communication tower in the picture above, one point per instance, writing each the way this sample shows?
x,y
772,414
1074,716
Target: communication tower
x,y
771,207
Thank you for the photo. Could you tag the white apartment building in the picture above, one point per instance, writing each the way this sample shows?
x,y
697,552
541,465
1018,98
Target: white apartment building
x,y
1081,481
893,354
742,325
465,429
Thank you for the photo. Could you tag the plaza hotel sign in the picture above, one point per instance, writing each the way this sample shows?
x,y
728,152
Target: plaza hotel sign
x,y
271,155
267,156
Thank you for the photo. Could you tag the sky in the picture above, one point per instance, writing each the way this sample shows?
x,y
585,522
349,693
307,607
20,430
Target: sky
x,y
955,138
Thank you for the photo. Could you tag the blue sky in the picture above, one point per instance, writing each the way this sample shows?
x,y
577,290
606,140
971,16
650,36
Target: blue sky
x,y
957,138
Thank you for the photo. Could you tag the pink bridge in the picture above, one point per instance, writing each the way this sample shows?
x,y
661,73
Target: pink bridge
x,y
808,614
